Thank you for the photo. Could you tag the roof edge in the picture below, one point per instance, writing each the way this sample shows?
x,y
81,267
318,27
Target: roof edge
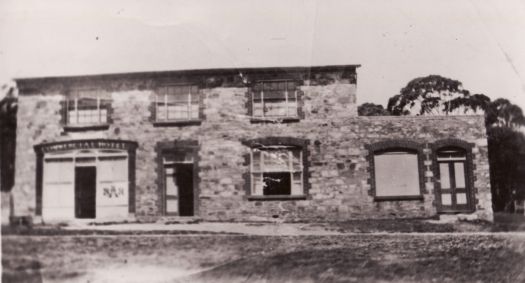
x,y
151,74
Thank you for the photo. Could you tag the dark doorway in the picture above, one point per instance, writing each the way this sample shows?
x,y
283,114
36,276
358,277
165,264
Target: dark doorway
x,y
184,179
85,191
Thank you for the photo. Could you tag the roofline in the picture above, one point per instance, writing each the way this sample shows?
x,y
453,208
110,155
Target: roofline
x,y
152,74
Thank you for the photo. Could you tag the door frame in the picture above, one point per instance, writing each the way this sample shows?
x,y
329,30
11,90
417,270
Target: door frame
x,y
165,148
469,175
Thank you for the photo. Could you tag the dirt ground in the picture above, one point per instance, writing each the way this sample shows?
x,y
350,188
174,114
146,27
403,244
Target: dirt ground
x,y
440,257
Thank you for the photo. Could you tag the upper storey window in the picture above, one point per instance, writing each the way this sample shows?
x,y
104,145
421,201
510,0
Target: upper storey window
x,y
275,99
177,103
86,108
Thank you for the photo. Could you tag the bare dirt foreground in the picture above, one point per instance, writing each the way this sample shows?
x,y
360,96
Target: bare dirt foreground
x,y
197,257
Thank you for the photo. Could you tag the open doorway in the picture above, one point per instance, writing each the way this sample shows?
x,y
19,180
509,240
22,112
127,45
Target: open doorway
x,y
85,191
179,191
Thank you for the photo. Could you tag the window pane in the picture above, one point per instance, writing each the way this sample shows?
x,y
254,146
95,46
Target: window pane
x,y
72,117
103,116
172,206
256,160
171,185
160,113
274,95
297,160
257,188
194,111
276,184
275,160
444,175
112,193
451,154
258,109
446,199
114,169
179,157
195,97
275,108
396,174
459,171
58,195
87,103
461,198
297,188
257,96
292,109
59,171
179,98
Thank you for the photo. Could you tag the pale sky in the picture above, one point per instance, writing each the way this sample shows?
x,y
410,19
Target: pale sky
x,y
480,43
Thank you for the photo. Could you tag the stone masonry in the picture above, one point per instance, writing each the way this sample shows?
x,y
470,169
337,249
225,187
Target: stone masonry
x,y
339,173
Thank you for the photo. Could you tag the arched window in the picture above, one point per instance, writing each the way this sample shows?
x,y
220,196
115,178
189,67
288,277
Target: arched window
x,y
396,170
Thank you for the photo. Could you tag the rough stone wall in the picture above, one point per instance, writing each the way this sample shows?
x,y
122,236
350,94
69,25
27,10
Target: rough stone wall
x,y
339,173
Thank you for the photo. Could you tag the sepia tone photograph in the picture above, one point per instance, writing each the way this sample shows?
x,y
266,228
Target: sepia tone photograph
x,y
262,141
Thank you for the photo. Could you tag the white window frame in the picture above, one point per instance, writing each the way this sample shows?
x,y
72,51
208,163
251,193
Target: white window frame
x,y
162,103
287,96
291,170
102,112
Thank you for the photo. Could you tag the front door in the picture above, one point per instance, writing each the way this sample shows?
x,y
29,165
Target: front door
x,y
453,183
85,191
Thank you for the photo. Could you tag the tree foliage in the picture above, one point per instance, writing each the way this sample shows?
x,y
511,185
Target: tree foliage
x,y
8,109
436,95
502,113
371,109
506,152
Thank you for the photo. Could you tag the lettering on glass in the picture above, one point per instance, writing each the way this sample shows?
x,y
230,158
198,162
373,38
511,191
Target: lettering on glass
x,y
112,192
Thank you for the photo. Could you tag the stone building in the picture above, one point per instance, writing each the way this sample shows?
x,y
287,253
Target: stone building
x,y
250,144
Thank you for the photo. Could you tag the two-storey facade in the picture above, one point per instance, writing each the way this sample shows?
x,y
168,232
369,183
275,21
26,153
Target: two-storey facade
x,y
249,144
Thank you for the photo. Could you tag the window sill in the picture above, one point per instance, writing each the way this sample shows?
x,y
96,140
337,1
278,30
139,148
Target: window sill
x,y
278,197
81,128
456,211
398,198
283,120
180,123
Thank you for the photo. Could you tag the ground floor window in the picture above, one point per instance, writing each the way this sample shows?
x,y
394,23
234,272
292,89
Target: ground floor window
x,y
276,170
396,173
396,170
